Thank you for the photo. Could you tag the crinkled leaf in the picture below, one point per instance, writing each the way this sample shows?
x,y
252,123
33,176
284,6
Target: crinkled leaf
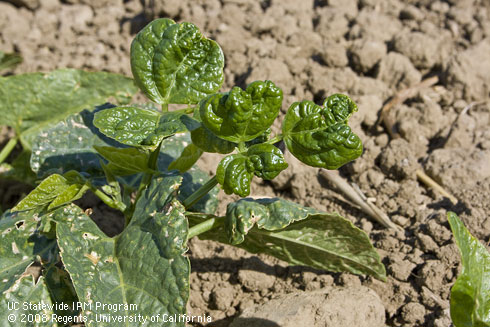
x,y
144,265
142,53
125,161
9,60
175,63
53,191
322,241
141,127
27,291
320,137
128,125
68,145
187,159
31,102
267,160
234,176
235,171
242,115
470,295
269,214
20,245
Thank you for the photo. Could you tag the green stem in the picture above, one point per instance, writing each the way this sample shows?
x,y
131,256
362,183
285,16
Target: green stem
x,y
205,226
275,139
108,200
164,107
201,192
242,147
8,148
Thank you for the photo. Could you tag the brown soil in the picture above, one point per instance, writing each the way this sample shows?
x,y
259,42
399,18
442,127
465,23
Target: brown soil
x,y
368,49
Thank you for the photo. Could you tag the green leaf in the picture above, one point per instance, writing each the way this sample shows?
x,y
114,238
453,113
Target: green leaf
x,y
193,179
267,160
19,170
144,266
60,287
320,137
31,102
68,145
128,125
21,245
9,60
53,191
125,161
235,171
175,63
28,295
234,176
141,127
242,115
187,159
270,214
470,295
208,142
322,241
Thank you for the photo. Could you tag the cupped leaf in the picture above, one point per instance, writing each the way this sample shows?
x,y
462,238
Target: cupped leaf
x,y
234,175
235,171
28,295
320,137
267,160
322,241
175,63
31,102
68,145
242,115
187,159
143,269
53,191
21,244
470,295
141,127
269,214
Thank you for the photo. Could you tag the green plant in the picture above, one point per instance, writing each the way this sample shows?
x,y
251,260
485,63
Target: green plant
x,y
140,161
470,295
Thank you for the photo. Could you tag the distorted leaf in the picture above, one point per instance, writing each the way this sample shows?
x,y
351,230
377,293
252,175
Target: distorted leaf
x,y
242,115
320,137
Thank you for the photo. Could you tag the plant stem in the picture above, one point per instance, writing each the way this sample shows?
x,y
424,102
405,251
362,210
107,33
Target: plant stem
x,y
242,147
275,139
8,148
201,192
205,226
108,200
164,107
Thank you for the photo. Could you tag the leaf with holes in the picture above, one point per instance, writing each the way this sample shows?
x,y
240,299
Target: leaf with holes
x,y
320,136
21,244
104,269
29,295
175,63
